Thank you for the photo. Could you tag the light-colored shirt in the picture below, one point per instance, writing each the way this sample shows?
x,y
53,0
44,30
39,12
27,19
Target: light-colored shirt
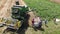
x,y
37,21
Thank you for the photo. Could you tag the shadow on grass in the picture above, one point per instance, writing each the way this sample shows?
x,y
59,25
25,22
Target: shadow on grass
x,y
41,29
46,25
24,26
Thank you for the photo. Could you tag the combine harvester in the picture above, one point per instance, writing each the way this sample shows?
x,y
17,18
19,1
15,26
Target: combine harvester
x,y
19,13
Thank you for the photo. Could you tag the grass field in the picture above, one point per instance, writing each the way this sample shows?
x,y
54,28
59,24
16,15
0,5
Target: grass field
x,y
45,8
51,29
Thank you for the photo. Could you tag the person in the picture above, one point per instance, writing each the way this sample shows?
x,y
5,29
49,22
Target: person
x,y
39,21
36,22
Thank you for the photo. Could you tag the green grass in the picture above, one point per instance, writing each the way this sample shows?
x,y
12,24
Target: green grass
x,y
51,29
45,8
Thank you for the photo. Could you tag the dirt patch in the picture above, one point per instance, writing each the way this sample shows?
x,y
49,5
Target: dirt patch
x,y
57,1
31,17
22,3
5,11
2,3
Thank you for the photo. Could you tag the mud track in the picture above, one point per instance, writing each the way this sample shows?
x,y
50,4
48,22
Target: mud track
x,y
5,10
2,3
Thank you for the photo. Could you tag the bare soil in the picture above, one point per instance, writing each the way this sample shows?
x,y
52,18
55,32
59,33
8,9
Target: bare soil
x,y
57,1
5,8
